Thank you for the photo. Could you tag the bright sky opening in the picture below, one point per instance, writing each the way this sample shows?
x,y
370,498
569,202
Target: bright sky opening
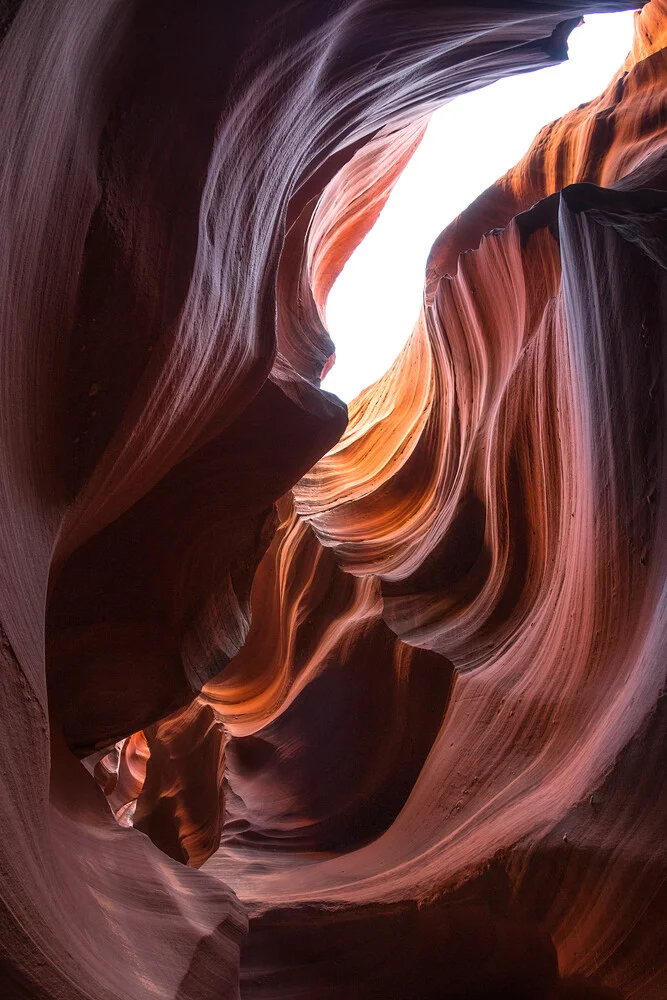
x,y
469,143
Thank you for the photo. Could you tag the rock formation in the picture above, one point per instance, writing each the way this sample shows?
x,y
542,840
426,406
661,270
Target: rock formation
x,y
299,702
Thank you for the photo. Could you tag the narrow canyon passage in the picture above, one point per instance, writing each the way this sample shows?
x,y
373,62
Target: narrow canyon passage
x,y
468,144
303,700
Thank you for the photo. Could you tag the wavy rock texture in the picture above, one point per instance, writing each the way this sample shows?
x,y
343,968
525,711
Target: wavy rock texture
x,y
395,685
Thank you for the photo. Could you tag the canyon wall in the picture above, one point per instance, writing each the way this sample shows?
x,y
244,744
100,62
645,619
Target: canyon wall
x,y
300,702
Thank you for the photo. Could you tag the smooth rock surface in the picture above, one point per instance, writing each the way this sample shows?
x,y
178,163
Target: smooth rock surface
x,y
300,703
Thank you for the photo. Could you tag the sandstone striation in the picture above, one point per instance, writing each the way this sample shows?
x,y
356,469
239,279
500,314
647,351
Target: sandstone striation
x,y
299,702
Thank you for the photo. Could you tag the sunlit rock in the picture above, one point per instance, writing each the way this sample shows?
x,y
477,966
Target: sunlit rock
x,y
386,687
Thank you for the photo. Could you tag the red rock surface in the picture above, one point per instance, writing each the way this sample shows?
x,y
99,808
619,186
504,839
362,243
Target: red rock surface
x,y
387,692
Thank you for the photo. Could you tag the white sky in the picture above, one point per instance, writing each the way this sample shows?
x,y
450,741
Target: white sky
x,y
469,144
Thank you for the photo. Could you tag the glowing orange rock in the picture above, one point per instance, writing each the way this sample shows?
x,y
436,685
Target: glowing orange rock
x,y
444,733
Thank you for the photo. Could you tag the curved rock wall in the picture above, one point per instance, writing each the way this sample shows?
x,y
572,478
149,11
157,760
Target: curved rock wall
x,y
392,687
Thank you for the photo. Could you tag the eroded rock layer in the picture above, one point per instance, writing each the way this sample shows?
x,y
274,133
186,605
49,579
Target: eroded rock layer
x,y
385,689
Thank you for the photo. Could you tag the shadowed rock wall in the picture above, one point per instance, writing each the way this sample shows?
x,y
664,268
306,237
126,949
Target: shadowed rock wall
x,y
395,681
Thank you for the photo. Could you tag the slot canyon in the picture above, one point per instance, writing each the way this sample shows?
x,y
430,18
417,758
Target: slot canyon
x,y
303,701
